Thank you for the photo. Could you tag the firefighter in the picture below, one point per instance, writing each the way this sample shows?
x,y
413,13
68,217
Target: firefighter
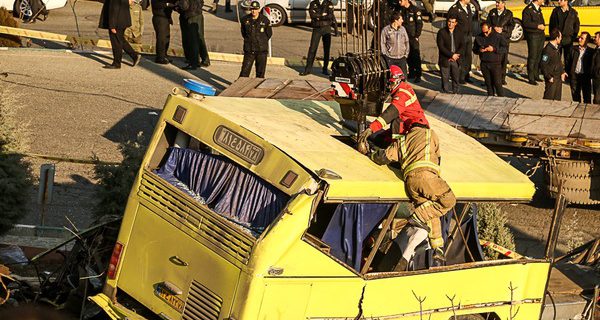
x,y
413,23
416,147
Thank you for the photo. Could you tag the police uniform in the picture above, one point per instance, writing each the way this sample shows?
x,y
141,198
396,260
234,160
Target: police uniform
x,y
413,23
568,24
552,69
134,33
596,75
535,37
464,27
416,148
161,20
256,34
323,23
505,21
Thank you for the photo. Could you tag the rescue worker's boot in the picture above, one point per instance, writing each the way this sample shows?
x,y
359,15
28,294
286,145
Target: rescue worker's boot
x,y
439,258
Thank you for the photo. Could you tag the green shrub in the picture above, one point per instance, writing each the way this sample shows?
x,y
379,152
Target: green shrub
x,y
6,19
115,181
491,225
15,172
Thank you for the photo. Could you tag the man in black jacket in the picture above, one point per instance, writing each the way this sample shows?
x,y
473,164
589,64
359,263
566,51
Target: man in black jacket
x,y
323,24
580,72
450,44
464,17
501,19
162,21
491,47
191,22
256,31
534,25
413,23
596,69
565,19
552,68
115,17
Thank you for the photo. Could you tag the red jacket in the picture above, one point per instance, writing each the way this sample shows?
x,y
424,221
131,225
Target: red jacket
x,y
405,108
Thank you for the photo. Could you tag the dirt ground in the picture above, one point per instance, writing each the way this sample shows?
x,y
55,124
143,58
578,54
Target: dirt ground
x,y
70,107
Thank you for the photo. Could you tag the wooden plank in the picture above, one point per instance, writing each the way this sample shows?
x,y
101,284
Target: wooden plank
x,y
272,84
438,106
545,107
591,111
541,125
239,87
465,107
590,129
493,115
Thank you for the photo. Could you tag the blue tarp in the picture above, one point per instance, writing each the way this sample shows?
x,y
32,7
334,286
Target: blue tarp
x,y
350,226
225,187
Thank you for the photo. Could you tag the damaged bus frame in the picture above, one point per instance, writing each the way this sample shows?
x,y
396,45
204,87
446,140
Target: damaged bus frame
x,y
260,209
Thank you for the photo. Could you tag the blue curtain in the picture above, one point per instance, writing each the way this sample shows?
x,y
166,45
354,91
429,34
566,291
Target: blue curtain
x,y
225,187
350,226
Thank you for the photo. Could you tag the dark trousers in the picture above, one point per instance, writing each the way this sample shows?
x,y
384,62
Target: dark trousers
x,y
317,34
185,35
261,64
535,45
163,36
397,62
492,75
581,83
197,42
596,87
118,44
414,59
565,51
553,90
504,62
466,58
452,71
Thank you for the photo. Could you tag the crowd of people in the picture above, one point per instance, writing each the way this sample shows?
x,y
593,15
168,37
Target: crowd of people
x,y
464,34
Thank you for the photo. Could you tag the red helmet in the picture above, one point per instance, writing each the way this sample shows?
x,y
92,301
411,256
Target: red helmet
x,y
396,74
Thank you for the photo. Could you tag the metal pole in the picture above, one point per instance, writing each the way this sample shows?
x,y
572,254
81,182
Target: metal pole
x,y
45,188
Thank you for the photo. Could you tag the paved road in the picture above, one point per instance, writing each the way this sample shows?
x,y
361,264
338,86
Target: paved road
x,y
223,35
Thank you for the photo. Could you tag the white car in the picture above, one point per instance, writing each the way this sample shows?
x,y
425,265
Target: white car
x,y
296,11
442,6
23,8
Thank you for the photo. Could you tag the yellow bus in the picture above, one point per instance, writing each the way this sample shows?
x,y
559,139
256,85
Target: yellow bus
x,y
260,209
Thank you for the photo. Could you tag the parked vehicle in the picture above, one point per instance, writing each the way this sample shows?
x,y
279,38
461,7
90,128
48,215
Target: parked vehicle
x,y
296,11
588,10
28,9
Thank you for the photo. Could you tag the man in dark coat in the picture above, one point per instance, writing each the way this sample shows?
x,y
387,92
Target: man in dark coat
x,y
450,44
116,18
491,47
565,19
413,23
552,68
162,21
533,24
596,69
323,24
256,31
580,72
501,20
464,14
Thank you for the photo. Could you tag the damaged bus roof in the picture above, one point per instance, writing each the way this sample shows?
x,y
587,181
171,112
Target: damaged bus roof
x,y
306,131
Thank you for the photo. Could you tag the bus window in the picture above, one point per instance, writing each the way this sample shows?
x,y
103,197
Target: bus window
x,y
217,182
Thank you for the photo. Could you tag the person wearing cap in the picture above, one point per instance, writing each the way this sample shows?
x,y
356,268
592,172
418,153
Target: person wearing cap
x,y
501,20
323,23
256,31
416,147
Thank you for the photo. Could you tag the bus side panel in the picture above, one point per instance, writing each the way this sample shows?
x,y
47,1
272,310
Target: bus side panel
x,y
158,253
472,288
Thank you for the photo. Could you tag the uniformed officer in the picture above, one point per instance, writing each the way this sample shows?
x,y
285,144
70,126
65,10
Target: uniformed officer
x,y
464,16
534,25
161,20
323,24
566,20
552,68
413,23
501,20
596,69
256,31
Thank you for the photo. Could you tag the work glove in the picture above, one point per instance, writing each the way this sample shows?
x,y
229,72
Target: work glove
x,y
363,143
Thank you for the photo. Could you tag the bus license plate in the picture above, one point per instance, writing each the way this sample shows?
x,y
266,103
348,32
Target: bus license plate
x,y
169,298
